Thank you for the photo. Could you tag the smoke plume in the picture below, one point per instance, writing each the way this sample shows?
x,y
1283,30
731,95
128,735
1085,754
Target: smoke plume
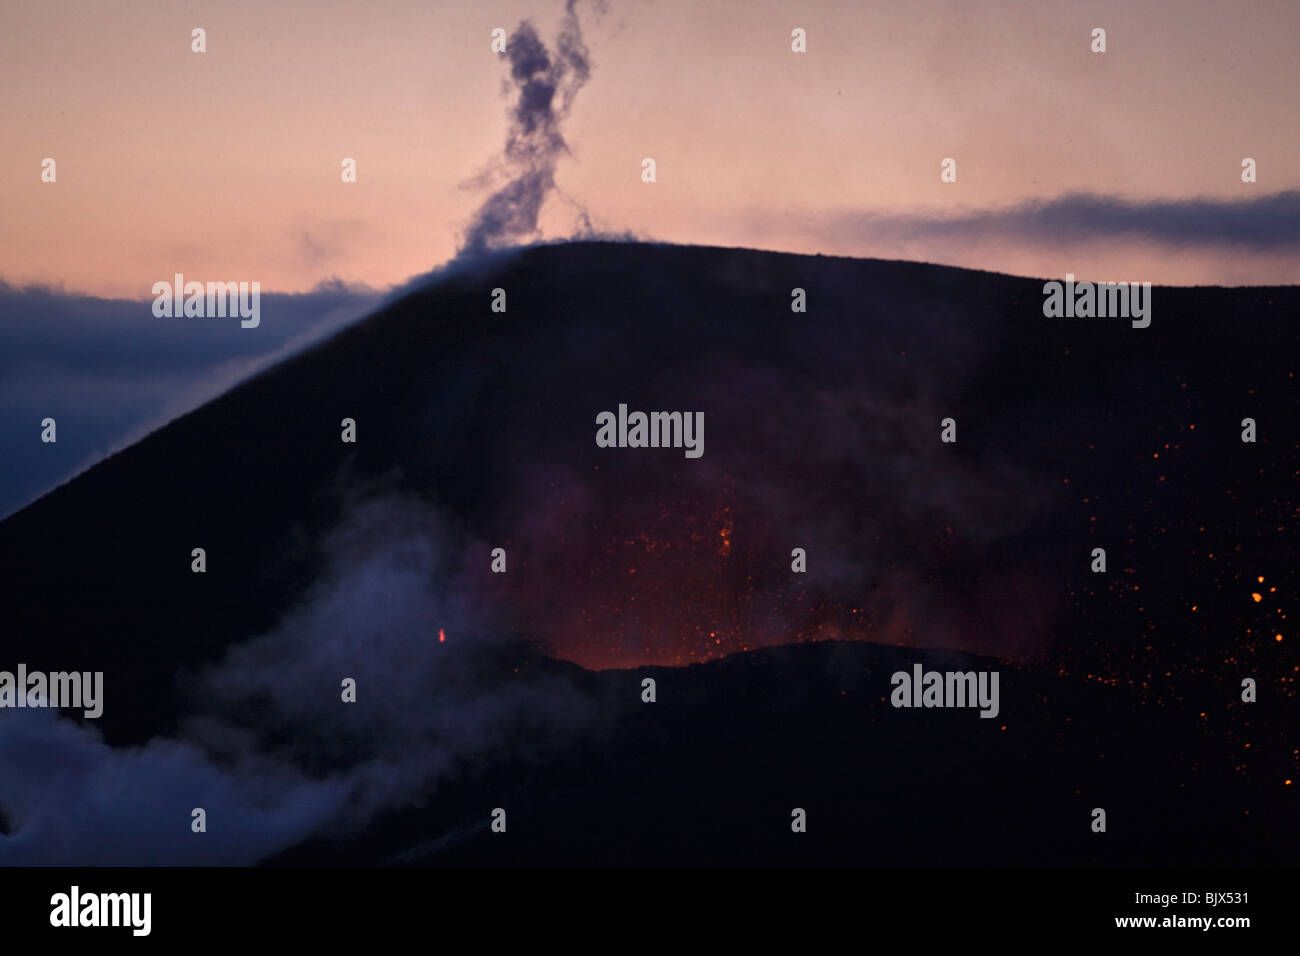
x,y
547,83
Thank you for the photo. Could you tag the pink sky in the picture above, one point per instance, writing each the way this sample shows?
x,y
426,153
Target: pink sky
x,y
225,165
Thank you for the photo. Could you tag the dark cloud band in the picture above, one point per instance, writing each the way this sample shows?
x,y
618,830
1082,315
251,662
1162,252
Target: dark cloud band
x,y
1261,223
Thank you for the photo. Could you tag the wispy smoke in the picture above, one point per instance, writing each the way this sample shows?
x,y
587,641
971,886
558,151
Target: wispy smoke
x,y
273,754
547,84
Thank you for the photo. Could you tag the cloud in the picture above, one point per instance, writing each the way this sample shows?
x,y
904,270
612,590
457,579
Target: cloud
x,y
534,143
108,371
1262,223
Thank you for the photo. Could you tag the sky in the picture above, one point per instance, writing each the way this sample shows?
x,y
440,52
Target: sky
x,y
227,163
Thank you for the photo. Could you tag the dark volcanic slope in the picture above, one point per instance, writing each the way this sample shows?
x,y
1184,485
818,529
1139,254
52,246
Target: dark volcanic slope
x,y
822,432
711,773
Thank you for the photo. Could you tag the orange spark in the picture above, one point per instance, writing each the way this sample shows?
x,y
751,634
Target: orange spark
x,y
442,635
1257,596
